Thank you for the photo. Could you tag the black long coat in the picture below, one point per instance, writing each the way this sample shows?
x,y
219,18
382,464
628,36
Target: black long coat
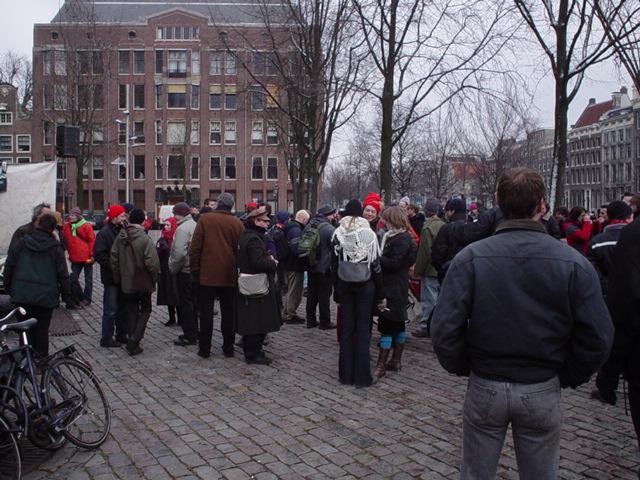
x,y
623,300
398,255
167,284
256,315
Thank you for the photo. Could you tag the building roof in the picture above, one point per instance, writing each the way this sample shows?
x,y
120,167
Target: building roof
x,y
592,113
225,12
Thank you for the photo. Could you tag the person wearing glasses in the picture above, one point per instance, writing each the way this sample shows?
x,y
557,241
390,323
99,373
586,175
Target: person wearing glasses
x,y
258,314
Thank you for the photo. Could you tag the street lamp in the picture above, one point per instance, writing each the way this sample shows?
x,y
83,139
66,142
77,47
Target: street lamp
x,y
126,154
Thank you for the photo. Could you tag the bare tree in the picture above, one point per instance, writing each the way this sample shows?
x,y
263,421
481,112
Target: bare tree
x,y
567,31
494,125
441,140
77,74
314,48
425,53
16,70
621,23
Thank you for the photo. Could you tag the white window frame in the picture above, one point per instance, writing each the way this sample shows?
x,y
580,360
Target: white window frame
x,y
144,61
128,72
271,127
179,141
253,159
230,64
215,58
18,135
196,157
168,158
213,123
4,116
158,132
227,139
21,160
11,143
93,168
158,159
254,139
267,168
194,132
195,62
219,158
235,166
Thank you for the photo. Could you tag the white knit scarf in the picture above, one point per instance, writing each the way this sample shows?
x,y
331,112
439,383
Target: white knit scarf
x,y
390,234
356,241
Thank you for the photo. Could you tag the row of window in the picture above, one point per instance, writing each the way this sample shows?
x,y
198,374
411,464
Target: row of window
x,y
16,160
220,97
176,134
176,168
6,118
617,136
173,62
23,143
615,173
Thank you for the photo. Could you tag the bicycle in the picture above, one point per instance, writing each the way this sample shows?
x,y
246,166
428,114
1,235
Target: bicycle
x,y
10,459
62,397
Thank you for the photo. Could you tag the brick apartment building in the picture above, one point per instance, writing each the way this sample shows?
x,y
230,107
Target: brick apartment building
x,y
16,141
170,79
604,159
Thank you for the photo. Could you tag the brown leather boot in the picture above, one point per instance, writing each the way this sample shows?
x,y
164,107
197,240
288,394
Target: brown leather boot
x,y
381,369
395,365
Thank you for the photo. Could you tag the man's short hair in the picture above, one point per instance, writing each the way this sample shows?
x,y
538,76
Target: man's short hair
x,y
519,192
302,216
618,210
47,222
37,210
561,210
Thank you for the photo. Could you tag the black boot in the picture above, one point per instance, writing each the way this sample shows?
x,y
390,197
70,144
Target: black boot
x,y
172,317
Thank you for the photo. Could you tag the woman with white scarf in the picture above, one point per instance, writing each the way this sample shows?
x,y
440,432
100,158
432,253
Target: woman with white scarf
x,y
398,253
359,282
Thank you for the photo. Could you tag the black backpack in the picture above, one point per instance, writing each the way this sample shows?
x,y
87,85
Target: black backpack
x,y
279,239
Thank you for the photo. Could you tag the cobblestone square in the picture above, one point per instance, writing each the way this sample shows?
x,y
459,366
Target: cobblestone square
x,y
176,415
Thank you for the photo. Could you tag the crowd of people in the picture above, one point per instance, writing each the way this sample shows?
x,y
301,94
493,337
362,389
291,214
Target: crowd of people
x,y
516,297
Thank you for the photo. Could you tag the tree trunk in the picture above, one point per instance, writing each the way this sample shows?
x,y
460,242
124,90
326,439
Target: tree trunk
x,y
561,106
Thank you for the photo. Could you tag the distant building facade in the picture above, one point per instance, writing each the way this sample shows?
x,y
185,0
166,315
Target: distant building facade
x,y
16,139
167,81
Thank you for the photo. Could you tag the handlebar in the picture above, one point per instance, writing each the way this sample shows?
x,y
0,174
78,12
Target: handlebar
x,y
12,313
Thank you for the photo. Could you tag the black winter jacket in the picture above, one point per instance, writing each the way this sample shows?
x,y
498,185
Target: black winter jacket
x,y
36,270
256,315
102,251
449,241
623,300
601,249
522,307
398,255
324,250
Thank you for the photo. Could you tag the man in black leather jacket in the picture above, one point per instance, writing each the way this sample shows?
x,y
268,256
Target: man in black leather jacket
x,y
522,315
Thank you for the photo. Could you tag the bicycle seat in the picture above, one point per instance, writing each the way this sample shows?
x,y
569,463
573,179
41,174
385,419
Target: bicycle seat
x,y
20,326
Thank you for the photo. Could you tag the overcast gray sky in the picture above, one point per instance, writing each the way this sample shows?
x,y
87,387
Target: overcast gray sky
x,y
20,15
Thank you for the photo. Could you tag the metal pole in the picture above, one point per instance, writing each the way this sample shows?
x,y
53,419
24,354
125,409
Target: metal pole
x,y
127,160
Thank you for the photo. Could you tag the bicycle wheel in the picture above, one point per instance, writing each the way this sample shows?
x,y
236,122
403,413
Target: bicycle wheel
x,y
10,462
36,425
78,405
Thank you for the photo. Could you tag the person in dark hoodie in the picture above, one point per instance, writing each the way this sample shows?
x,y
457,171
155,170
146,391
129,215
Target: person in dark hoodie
x,y
451,237
34,276
112,317
136,267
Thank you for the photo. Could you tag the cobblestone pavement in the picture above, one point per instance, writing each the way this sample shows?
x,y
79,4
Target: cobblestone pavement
x,y
176,415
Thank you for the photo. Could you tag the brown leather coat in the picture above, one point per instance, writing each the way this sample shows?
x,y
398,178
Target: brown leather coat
x,y
213,249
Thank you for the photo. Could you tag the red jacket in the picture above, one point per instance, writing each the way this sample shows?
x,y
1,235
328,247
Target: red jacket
x,y
578,235
80,242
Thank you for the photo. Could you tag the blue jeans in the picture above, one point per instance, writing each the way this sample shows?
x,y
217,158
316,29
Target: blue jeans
x,y
74,279
429,291
535,414
110,301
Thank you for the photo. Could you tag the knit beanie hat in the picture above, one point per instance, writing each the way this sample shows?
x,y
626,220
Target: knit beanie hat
x,y
114,211
373,200
457,205
76,212
181,209
128,207
137,216
353,208
405,200
282,216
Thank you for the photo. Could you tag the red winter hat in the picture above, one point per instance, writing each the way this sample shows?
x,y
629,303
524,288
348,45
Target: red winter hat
x,y
372,199
114,211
